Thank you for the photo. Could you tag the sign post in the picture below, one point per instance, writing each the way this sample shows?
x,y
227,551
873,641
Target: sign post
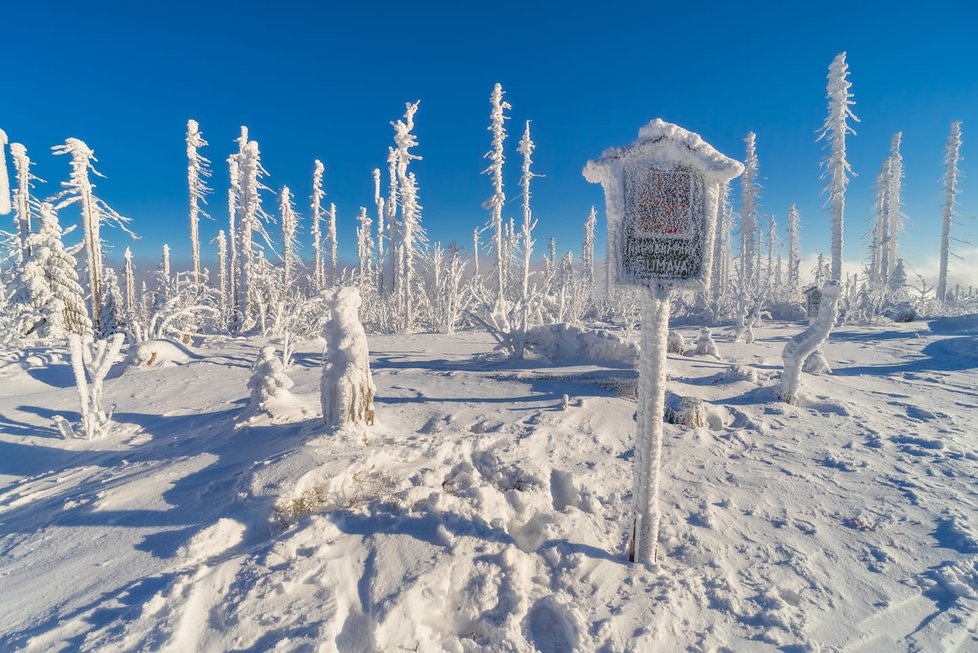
x,y
661,198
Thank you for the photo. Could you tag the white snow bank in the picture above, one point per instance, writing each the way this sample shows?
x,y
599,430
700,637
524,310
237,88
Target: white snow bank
x,y
158,353
569,342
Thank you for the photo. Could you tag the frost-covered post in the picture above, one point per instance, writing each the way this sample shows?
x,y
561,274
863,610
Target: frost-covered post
x,y
799,348
197,170
951,158
318,267
347,389
662,194
836,167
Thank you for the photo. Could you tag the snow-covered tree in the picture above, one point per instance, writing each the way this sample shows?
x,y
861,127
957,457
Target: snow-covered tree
x,y
587,252
318,266
79,188
498,200
836,166
269,383
130,283
49,292
720,277
4,176
113,318
799,348
475,251
250,218
22,195
365,248
347,388
404,139
235,179
393,231
289,221
894,204
381,231
794,252
198,169
750,189
879,235
951,158
94,357
331,236
526,148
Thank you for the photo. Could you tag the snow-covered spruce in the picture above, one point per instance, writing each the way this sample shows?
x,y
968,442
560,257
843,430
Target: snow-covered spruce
x,y
798,349
197,171
347,389
705,345
4,176
676,343
496,202
951,175
269,384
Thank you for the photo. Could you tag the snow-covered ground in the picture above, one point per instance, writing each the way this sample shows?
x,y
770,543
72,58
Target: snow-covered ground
x,y
480,515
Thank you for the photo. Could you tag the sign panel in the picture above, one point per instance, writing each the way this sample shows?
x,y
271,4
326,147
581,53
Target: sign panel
x,y
664,230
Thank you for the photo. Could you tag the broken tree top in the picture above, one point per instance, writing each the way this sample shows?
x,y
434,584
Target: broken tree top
x,y
664,140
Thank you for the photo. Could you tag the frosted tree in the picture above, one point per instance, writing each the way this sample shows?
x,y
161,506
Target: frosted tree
x,y
526,148
94,357
498,200
365,247
289,221
894,204
250,219
4,176
235,179
198,169
550,260
347,388
49,283
475,251
331,235
113,318
269,383
22,196
379,203
404,139
720,278
835,166
772,243
130,275
222,272
393,233
951,158
79,188
318,266
587,252
794,252
750,189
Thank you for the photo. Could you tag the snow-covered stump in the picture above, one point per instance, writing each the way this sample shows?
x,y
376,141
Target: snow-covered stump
x,y
799,348
648,439
706,345
347,389
269,384
94,357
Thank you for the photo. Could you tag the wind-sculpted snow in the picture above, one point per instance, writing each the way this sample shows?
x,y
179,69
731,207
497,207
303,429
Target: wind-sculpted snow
x,y
484,514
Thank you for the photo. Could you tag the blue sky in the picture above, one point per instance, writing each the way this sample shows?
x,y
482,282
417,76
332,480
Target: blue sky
x,y
324,80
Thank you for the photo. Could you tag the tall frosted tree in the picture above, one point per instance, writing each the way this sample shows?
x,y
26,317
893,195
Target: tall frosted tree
x,y
879,236
952,157
365,247
222,271
381,230
720,277
331,235
404,139
750,189
835,166
496,158
587,251
4,176
22,196
198,169
235,179
250,218
794,252
318,265
894,204
289,221
79,189
526,148
130,275
393,233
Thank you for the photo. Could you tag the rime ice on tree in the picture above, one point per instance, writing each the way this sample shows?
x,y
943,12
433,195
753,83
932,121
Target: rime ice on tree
x,y
347,389
661,195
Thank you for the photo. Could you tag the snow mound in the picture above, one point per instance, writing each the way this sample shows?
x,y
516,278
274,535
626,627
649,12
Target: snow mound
x,y
569,342
214,540
959,579
158,353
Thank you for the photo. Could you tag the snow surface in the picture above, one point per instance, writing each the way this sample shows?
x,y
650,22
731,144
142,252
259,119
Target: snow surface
x,y
480,515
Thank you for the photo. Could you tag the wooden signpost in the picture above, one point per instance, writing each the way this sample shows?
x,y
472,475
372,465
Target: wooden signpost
x,y
661,199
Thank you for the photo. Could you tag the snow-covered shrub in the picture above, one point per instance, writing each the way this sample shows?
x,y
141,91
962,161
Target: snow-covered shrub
x,y
676,343
94,357
802,345
347,389
705,345
901,312
269,384
685,411
570,342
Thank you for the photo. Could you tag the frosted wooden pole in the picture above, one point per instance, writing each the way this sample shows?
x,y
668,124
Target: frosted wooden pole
x,y
648,439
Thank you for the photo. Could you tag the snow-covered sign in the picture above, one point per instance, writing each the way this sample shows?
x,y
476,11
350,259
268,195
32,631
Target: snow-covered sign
x,y
813,299
661,195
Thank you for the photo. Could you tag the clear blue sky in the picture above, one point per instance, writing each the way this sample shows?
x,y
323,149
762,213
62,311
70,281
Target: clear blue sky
x,y
323,80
